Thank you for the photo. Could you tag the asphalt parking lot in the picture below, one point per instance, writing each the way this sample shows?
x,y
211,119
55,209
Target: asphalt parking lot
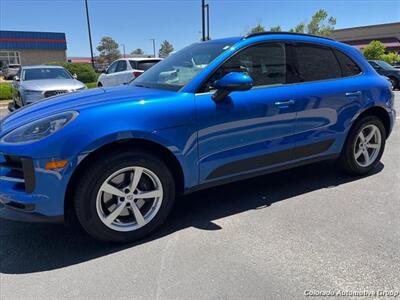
x,y
281,235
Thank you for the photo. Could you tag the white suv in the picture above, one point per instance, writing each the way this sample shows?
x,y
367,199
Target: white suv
x,y
124,70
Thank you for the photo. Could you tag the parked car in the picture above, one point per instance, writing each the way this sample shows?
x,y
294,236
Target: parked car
x,y
387,70
10,71
34,83
116,158
125,70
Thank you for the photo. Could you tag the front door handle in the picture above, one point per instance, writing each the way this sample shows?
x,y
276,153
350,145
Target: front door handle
x,y
284,103
353,94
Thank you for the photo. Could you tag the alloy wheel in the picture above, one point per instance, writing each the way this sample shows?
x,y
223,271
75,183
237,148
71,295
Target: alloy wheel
x,y
367,146
129,199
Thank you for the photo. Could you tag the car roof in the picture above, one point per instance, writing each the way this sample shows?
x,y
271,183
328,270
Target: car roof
x,y
284,36
142,58
42,66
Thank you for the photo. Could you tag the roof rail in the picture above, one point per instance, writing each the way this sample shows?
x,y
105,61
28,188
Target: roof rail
x,y
282,32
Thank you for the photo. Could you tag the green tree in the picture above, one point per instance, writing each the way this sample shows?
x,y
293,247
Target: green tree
x,y
320,24
165,49
300,28
108,49
275,29
137,51
258,28
374,50
391,57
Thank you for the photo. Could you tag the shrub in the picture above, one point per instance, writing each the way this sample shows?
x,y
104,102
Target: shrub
x,y
85,72
5,91
391,58
91,85
374,50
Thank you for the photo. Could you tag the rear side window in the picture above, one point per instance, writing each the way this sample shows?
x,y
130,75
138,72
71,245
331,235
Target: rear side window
x,y
316,63
349,67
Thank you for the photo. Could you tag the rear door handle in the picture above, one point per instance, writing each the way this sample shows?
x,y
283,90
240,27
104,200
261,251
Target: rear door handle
x,y
353,94
284,103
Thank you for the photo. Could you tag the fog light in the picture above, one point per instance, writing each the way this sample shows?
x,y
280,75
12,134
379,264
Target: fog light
x,y
51,165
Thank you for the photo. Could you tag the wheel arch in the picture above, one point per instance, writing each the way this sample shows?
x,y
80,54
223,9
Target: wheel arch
x,y
124,145
380,113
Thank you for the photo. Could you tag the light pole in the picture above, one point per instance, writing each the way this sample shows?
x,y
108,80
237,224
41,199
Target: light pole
x,y
90,34
154,47
203,25
205,8
123,47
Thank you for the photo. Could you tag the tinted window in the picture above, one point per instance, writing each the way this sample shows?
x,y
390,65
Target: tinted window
x,y
145,65
266,64
349,67
121,66
316,63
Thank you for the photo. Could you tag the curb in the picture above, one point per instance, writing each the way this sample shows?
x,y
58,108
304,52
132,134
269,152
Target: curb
x,y
4,104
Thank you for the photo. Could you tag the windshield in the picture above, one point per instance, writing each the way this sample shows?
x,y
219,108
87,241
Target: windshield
x,y
46,73
385,65
178,69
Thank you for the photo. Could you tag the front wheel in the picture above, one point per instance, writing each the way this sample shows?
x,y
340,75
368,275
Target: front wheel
x,y
364,146
124,197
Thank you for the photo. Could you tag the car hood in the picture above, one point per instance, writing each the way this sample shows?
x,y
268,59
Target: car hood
x,y
51,84
77,101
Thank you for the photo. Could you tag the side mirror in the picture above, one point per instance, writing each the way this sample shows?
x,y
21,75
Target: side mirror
x,y
75,76
16,78
231,82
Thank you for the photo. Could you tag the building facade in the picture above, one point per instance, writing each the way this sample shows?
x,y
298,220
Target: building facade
x,y
31,48
359,37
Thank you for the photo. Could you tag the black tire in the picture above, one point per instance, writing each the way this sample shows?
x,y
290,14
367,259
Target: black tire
x,y
395,83
97,172
347,158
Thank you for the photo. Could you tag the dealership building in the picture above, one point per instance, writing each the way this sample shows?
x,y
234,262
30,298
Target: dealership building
x,y
31,48
359,37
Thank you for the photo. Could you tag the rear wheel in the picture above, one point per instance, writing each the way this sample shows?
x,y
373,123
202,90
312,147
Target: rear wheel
x,y
364,146
124,197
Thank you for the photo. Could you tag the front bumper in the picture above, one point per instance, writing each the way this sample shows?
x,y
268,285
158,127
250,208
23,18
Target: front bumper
x,y
10,212
29,192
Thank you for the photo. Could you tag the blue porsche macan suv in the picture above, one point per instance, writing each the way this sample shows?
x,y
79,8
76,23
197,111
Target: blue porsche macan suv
x,y
114,159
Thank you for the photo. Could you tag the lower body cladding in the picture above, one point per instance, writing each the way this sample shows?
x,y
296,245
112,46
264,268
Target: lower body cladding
x,y
29,191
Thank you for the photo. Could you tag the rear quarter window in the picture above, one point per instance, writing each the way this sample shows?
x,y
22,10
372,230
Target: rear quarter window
x,y
349,67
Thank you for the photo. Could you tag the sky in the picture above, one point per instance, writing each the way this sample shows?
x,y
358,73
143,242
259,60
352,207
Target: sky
x,y
135,22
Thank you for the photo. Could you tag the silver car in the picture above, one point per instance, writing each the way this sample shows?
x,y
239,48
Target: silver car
x,y
10,71
34,83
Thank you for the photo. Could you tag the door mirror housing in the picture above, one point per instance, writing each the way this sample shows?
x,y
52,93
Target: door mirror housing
x,y
75,76
16,78
231,82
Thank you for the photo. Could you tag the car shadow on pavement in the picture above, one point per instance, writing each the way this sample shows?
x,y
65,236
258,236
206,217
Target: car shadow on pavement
x,y
28,248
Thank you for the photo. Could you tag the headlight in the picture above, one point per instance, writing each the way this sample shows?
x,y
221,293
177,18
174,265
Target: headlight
x,y
39,129
32,93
